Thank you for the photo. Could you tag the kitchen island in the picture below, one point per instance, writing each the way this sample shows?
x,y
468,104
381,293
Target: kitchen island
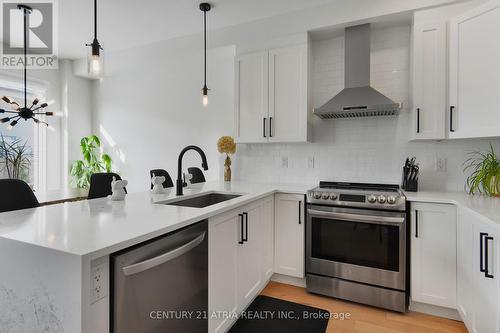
x,y
50,255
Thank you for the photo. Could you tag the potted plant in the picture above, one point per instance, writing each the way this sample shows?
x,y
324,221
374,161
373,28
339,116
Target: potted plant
x,y
485,173
16,156
226,145
92,162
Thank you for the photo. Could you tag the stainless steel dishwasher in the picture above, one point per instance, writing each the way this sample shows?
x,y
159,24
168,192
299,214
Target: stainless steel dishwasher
x,y
162,285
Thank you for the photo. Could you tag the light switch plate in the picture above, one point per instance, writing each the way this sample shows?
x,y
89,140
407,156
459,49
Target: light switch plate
x,y
441,164
284,162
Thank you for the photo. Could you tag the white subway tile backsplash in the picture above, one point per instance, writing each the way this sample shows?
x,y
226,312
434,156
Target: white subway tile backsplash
x,y
367,150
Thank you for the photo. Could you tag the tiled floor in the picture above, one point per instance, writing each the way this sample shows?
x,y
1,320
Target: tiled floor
x,y
364,319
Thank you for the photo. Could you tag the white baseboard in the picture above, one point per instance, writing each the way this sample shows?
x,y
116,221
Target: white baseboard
x,y
294,281
434,310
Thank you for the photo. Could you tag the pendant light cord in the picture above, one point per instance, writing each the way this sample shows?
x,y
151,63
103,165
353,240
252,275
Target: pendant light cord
x,y
25,57
95,19
205,44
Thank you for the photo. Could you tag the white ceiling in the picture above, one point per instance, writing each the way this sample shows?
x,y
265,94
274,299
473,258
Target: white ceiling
x,y
129,23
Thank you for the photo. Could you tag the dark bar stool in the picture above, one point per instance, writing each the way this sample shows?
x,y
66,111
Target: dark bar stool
x,y
197,174
160,172
100,184
16,195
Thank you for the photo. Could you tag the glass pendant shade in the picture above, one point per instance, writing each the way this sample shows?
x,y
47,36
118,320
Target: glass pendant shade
x,y
205,100
96,64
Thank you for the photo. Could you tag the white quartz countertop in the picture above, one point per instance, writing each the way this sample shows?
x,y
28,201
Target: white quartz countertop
x,y
99,227
483,206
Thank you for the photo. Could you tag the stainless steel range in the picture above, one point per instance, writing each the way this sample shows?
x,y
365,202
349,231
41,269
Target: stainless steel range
x,y
356,243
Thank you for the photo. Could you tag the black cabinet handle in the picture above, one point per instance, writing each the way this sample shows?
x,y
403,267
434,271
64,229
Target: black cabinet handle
x,y
270,127
481,251
241,225
300,212
416,223
451,118
418,120
486,263
245,239
264,127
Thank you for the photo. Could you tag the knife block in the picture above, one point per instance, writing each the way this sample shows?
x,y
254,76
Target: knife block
x,y
410,185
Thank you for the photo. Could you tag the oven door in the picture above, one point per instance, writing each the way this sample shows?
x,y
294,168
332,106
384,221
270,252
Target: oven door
x,y
365,246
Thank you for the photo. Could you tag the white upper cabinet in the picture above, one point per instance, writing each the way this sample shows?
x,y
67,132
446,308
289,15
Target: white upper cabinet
x,y
429,81
288,94
474,74
252,97
271,95
434,254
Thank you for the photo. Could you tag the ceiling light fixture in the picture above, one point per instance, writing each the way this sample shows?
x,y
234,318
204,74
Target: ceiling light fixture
x,y
24,112
205,7
95,60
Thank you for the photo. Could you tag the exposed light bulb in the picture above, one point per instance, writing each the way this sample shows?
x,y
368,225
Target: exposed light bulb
x,y
9,127
205,100
95,65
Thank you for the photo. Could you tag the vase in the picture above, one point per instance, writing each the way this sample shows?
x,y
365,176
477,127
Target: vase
x,y
227,169
495,186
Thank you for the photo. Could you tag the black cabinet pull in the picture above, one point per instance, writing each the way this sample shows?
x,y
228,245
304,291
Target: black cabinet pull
x,y
486,263
481,251
245,239
451,118
418,120
264,127
241,225
270,127
300,212
416,223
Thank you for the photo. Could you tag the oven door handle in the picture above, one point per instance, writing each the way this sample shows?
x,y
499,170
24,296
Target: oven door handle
x,y
357,217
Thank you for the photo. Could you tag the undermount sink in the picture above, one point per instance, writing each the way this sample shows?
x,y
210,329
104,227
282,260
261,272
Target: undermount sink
x,y
201,201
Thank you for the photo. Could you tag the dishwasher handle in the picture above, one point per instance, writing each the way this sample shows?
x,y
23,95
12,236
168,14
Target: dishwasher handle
x,y
163,258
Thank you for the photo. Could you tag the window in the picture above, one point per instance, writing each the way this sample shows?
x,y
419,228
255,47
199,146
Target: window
x,y
25,140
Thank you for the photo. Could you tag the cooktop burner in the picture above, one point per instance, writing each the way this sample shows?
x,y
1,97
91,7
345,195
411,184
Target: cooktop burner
x,y
358,195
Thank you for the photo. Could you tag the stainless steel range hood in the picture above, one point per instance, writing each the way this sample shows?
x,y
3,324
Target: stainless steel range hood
x,y
358,99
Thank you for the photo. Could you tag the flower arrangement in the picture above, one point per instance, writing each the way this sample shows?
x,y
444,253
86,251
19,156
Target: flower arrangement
x,y
226,145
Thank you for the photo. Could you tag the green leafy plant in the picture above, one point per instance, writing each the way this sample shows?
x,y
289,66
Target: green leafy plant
x,y
92,162
485,173
16,156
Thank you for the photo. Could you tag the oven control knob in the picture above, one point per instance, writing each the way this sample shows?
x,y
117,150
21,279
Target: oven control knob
x,y
372,198
326,195
317,195
391,200
381,199
333,196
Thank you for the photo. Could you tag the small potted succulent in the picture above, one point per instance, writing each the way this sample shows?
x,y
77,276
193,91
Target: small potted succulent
x,y
226,145
485,173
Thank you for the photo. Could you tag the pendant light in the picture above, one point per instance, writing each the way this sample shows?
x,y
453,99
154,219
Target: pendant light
x,y
95,59
205,7
17,113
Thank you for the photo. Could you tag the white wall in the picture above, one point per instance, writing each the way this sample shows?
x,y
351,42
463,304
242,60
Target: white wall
x,y
148,107
367,150
76,106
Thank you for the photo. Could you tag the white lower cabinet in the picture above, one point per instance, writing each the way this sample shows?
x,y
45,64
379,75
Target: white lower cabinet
x,y
240,260
223,233
289,231
267,238
478,280
249,275
434,254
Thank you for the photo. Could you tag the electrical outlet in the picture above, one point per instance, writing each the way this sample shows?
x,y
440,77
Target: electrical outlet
x,y
441,164
98,283
310,162
284,162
